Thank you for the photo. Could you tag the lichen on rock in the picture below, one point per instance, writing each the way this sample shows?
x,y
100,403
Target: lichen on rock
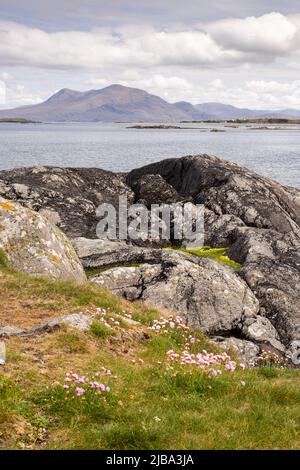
x,y
31,244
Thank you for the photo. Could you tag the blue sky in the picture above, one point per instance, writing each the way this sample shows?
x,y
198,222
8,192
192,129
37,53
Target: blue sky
x,y
238,52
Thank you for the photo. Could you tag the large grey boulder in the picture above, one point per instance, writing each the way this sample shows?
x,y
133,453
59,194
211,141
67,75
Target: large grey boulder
x,y
227,188
206,294
33,245
69,195
261,330
256,217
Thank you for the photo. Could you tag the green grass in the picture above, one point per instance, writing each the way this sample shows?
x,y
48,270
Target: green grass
x,y
150,410
71,342
148,407
61,293
101,331
3,260
217,254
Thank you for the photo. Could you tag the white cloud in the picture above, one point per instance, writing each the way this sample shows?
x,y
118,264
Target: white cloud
x,y
272,33
168,87
6,76
222,61
18,95
97,82
257,94
225,43
217,83
276,93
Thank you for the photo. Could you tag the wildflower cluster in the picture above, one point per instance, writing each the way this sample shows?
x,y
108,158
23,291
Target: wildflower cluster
x,y
78,386
174,325
105,317
208,363
165,325
127,315
187,360
111,319
272,359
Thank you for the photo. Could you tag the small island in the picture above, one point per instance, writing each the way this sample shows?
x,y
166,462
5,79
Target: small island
x,y
154,126
18,120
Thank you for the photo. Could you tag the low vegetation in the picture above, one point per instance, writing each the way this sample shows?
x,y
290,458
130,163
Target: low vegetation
x,y
134,381
17,120
218,254
248,121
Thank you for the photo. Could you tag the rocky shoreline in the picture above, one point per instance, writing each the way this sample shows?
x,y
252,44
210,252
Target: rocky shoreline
x,y
256,218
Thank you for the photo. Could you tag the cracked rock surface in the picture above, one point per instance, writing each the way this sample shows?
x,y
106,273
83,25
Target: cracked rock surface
x,y
206,294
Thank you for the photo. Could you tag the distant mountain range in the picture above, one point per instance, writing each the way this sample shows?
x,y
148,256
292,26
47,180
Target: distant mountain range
x,y
120,103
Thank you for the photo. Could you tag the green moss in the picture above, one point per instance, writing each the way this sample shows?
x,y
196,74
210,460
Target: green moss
x,y
217,254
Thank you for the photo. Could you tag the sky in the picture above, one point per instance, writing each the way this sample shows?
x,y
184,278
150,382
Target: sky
x,y
232,51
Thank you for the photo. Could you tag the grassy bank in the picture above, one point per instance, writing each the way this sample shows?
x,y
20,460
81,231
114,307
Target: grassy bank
x,y
152,403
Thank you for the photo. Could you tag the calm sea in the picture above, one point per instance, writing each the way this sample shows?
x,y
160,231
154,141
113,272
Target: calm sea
x,y
274,152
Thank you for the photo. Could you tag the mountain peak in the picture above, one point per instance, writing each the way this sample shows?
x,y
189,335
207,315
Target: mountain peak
x,y
117,88
64,93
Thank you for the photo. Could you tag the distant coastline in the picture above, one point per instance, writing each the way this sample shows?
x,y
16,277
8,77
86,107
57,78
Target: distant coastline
x,y
245,121
18,120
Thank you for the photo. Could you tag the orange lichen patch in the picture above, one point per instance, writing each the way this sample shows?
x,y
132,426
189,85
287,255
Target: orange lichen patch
x,y
6,206
55,259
